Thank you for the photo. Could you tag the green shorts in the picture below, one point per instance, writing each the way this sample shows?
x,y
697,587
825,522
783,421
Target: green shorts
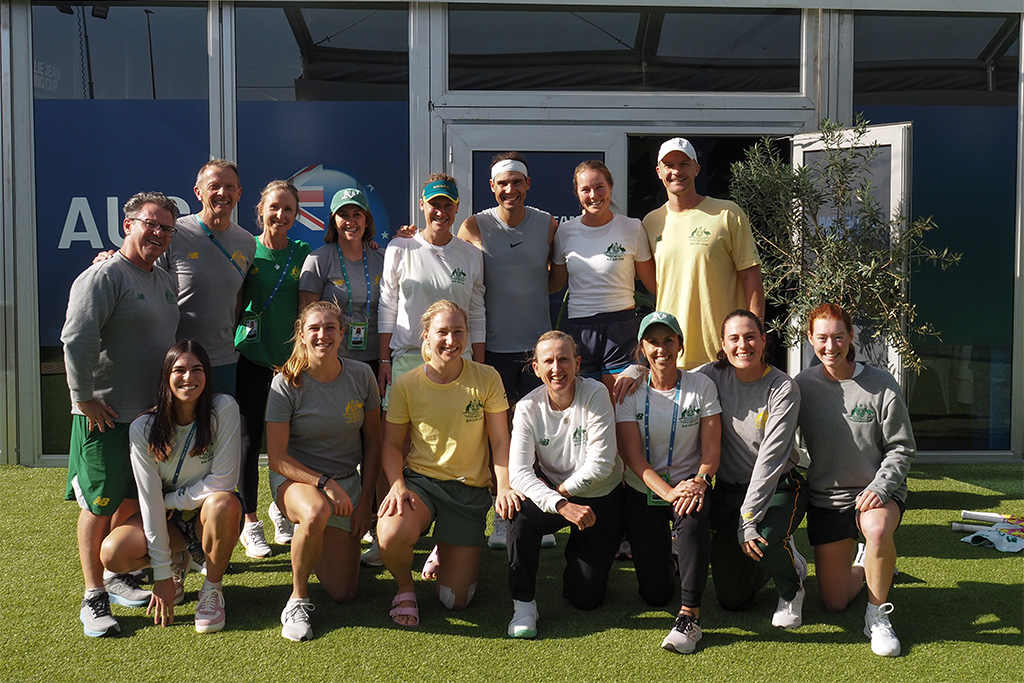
x,y
406,362
459,511
352,485
99,467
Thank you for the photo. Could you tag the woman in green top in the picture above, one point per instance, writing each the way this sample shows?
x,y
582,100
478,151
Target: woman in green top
x,y
271,304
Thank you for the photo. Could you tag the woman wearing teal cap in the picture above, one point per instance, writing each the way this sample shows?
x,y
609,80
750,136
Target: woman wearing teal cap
x,y
669,436
347,270
431,265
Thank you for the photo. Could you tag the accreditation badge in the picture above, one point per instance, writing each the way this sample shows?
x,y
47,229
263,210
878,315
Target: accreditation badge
x,y
357,336
653,499
248,330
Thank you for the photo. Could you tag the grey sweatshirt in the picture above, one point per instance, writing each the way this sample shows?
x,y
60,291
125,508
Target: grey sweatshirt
x,y
208,284
120,323
858,436
759,421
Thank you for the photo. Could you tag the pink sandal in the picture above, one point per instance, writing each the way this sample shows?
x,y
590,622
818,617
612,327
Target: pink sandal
x,y
413,611
431,566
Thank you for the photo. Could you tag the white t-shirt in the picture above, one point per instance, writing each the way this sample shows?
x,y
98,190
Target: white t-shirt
x,y
416,274
698,398
600,262
574,447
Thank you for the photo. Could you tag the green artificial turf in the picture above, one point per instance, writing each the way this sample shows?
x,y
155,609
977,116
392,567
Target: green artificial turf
x,y
959,613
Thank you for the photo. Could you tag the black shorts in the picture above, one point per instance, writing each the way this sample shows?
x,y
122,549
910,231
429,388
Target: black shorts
x,y
828,525
606,341
516,372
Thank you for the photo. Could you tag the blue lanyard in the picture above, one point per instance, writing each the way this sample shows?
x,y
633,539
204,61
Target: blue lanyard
x,y
284,272
220,246
348,288
181,458
675,416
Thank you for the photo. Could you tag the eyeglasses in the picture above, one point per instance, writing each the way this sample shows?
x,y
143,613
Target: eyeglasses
x,y
154,226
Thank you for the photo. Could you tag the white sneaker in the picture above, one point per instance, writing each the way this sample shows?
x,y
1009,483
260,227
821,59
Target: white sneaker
x,y
548,541
884,642
858,561
181,562
498,540
283,527
295,620
253,540
789,613
524,619
210,616
799,562
371,556
684,636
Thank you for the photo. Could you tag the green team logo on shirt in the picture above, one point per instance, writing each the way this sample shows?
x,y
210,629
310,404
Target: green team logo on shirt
x,y
699,236
689,417
579,437
639,417
861,414
545,441
474,411
614,251
142,297
170,298
207,455
459,276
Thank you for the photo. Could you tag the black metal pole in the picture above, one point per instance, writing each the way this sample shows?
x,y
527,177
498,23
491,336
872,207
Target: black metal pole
x,y
149,32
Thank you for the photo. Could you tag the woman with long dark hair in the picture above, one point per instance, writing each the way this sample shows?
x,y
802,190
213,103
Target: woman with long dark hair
x,y
759,494
185,455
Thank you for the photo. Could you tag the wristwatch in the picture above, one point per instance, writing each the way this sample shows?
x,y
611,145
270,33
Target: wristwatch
x,y
322,482
706,478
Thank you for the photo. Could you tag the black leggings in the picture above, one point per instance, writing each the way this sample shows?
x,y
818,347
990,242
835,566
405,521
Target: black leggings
x,y
252,389
648,530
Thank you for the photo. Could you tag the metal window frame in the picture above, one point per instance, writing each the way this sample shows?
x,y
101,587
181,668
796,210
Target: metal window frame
x,y
436,116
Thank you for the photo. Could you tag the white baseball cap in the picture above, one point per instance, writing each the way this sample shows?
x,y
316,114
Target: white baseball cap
x,y
677,145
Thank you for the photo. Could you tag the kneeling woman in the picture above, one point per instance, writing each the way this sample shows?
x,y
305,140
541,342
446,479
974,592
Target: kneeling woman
x,y
563,460
185,454
759,495
669,437
861,444
453,407
323,421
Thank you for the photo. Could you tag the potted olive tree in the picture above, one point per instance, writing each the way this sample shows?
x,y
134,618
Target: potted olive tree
x,y
824,236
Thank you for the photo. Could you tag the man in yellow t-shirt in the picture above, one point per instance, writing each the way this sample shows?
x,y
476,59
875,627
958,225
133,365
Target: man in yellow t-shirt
x,y
704,254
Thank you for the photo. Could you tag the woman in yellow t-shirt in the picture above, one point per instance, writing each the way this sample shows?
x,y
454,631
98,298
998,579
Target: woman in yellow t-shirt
x,y
452,408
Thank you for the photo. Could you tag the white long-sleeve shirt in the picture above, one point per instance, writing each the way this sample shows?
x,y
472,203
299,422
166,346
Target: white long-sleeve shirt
x,y
574,447
416,274
214,470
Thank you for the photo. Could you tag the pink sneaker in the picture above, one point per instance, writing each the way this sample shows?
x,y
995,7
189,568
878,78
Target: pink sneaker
x,y
210,615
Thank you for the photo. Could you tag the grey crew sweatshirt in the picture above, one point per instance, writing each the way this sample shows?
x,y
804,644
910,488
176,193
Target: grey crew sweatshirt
x,y
759,421
120,322
858,436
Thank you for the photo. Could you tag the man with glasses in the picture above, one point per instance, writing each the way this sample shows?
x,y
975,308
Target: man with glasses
x,y
121,319
209,259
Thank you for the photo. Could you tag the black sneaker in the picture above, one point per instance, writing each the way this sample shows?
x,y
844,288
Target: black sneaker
x,y
96,617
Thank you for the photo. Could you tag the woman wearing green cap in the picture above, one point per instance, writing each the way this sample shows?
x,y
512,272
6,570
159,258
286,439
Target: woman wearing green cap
x,y
347,271
669,437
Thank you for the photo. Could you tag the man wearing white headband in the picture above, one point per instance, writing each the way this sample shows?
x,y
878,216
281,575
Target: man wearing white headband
x,y
704,253
516,242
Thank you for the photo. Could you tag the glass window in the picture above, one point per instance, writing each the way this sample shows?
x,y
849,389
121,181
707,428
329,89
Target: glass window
x,y
632,49
323,101
954,77
121,106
